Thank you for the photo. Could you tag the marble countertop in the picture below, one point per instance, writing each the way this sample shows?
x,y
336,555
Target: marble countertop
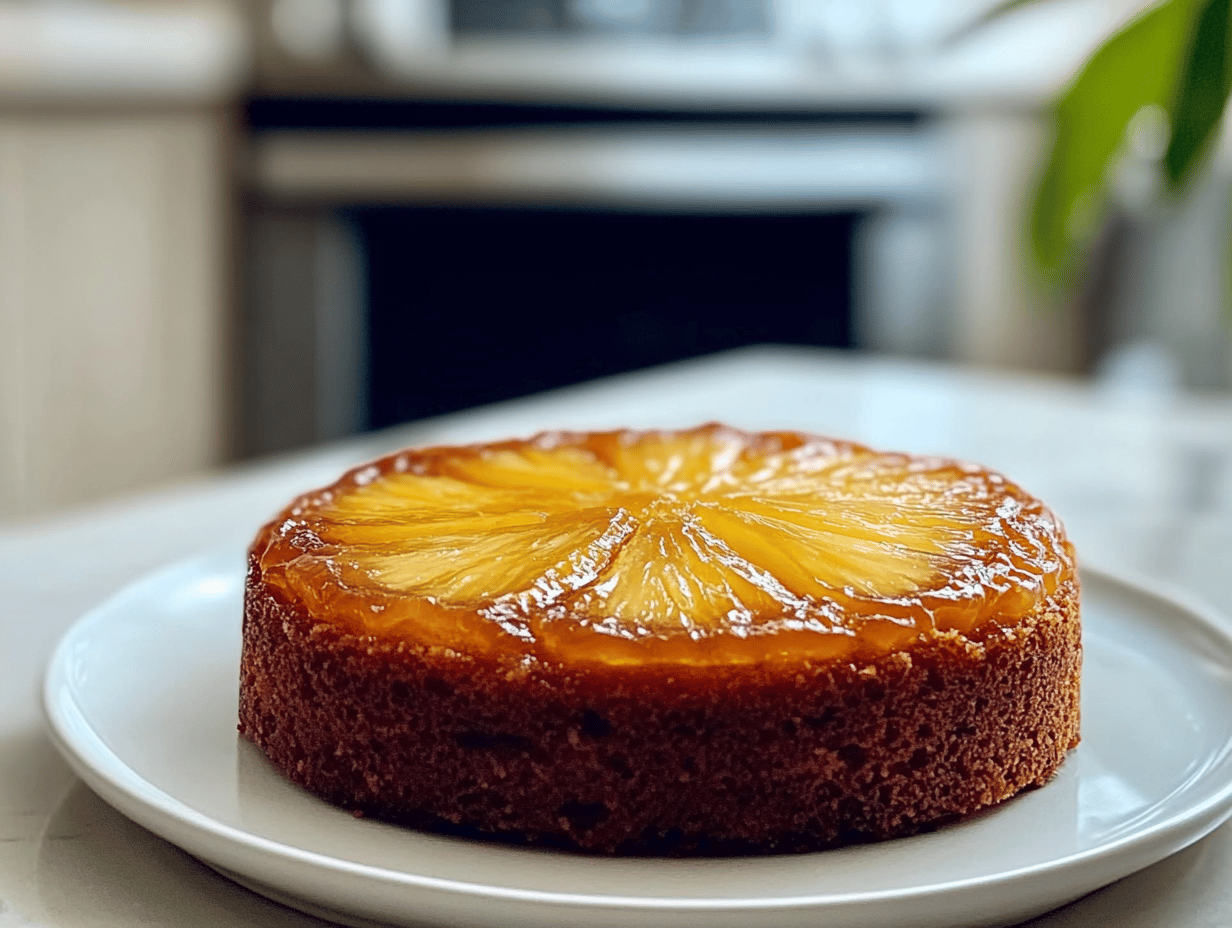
x,y
1143,481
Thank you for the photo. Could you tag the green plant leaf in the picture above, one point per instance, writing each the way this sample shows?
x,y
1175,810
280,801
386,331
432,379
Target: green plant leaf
x,y
1137,67
1201,94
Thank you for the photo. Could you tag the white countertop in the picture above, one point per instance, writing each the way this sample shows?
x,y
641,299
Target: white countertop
x,y
1143,481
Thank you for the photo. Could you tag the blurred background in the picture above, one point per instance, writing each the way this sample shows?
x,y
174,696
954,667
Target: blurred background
x,y
233,229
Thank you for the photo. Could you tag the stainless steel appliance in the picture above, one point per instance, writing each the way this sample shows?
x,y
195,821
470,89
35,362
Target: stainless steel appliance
x,y
570,148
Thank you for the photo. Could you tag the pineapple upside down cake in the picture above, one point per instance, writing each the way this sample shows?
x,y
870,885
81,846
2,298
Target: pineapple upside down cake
x,y
696,642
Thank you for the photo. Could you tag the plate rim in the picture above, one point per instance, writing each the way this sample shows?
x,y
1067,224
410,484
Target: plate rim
x,y
167,816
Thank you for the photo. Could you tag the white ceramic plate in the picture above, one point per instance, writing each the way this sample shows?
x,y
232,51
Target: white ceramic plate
x,y
140,697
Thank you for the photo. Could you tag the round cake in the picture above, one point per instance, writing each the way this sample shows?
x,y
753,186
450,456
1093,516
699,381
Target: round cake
x,y
705,641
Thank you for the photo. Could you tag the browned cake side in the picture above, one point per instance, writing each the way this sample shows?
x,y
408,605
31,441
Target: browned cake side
x,y
709,760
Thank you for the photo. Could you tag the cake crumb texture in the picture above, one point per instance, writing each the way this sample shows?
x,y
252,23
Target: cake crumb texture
x,y
724,761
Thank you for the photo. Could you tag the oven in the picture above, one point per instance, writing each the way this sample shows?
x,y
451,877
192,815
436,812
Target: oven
x,y
451,205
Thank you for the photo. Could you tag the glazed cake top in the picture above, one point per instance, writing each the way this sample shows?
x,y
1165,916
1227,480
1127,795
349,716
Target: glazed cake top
x,y
705,546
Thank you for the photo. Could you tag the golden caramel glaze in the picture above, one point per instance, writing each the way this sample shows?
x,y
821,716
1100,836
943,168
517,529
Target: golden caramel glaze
x,y
710,546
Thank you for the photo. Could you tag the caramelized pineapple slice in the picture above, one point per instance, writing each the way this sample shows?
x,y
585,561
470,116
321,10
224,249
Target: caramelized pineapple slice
x,y
687,535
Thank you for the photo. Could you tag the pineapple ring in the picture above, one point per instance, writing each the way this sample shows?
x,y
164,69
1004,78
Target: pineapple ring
x,y
706,545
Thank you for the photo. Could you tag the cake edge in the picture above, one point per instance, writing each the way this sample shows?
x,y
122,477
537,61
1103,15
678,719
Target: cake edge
x,y
715,760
